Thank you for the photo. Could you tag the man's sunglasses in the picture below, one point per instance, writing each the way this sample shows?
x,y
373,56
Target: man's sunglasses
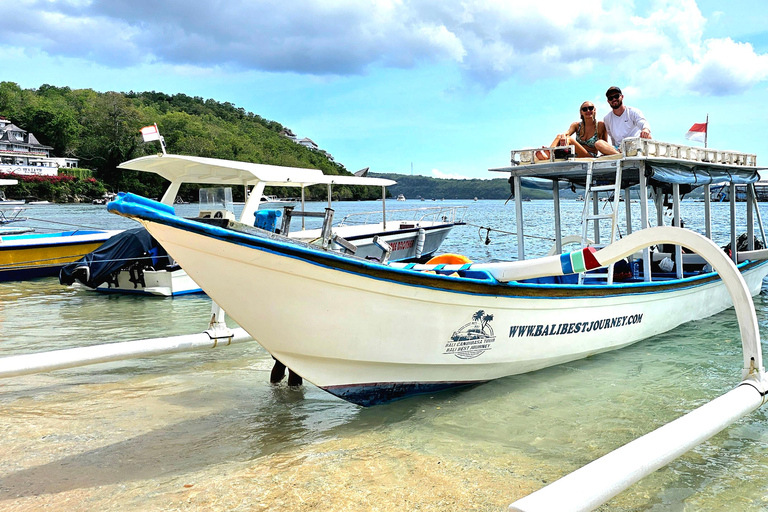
x,y
613,97
587,109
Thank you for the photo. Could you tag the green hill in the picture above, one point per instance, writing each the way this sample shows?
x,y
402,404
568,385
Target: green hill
x,y
102,130
415,187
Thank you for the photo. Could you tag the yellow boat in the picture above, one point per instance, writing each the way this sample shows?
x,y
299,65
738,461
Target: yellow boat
x,y
43,254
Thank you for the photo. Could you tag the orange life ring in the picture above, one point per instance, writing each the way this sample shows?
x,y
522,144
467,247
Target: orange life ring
x,y
449,259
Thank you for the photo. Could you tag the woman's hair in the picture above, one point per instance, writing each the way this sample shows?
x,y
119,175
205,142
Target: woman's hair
x,y
583,124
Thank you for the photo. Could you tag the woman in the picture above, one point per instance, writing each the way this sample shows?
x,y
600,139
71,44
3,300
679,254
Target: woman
x,y
589,136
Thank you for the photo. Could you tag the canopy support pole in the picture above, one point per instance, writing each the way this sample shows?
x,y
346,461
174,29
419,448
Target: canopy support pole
x,y
384,207
707,212
628,209
732,194
677,222
643,184
169,197
750,219
596,222
558,232
759,217
519,218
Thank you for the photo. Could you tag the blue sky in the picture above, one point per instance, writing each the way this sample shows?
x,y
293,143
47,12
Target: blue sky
x,y
447,86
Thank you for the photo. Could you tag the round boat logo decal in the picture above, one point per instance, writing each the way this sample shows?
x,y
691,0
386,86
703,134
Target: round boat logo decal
x,y
472,339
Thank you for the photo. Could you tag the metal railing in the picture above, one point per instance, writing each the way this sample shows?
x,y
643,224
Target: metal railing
x,y
649,147
637,147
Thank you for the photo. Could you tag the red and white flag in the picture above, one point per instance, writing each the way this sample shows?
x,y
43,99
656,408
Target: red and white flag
x,y
697,132
150,133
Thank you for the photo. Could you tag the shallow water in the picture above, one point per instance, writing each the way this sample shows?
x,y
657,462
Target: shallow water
x,y
206,430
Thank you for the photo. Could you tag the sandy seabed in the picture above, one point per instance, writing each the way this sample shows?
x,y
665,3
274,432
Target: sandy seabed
x,y
140,446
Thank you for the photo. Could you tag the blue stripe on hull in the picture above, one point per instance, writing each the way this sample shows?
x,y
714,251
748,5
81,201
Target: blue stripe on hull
x,y
383,392
135,206
140,291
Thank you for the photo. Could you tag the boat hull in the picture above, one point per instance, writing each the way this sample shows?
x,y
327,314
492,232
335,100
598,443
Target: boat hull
x,y
163,283
34,255
370,334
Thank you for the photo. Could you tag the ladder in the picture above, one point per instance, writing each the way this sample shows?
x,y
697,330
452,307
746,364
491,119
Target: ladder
x,y
591,196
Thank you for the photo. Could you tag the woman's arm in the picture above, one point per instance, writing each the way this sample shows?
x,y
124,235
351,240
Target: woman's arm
x,y
602,133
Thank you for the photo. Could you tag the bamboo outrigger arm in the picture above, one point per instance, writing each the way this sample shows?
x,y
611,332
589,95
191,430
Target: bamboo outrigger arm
x,y
597,482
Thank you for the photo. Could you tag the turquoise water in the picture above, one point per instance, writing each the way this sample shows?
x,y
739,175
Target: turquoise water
x,y
206,431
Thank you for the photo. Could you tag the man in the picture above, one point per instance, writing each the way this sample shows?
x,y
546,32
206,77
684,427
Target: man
x,y
624,121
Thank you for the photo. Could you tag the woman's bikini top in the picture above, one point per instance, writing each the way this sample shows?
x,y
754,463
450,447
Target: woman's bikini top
x,y
590,142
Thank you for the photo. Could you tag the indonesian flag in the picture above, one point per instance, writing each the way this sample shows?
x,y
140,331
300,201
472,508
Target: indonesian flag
x,y
698,132
150,133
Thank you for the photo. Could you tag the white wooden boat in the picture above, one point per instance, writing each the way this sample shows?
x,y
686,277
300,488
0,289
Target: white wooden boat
x,y
370,332
415,236
5,201
273,202
9,216
11,202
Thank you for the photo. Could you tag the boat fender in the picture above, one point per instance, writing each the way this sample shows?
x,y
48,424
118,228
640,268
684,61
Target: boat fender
x,y
420,242
449,259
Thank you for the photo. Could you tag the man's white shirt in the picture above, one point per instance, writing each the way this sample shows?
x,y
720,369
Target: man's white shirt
x,y
629,124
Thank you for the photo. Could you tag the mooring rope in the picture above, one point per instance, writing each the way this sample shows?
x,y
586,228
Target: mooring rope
x,y
65,224
488,230
41,262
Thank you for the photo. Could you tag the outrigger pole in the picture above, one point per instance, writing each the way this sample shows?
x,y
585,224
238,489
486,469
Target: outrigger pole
x,y
26,364
592,485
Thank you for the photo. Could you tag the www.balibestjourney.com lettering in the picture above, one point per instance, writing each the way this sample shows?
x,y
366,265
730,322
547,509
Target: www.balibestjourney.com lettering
x,y
573,327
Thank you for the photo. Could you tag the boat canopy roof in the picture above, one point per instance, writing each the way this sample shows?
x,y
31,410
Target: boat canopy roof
x,y
195,169
672,164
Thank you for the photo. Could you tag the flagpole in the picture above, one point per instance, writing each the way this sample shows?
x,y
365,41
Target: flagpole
x,y
162,140
706,131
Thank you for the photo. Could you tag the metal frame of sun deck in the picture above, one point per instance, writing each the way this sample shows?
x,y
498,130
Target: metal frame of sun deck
x,y
638,158
180,169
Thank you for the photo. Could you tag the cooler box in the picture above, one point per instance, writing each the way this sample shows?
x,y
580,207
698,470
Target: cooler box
x,y
267,219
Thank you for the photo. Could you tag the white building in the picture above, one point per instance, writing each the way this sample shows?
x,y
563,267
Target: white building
x,y
22,153
308,143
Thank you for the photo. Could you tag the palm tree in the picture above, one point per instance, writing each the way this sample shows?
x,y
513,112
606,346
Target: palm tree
x,y
486,320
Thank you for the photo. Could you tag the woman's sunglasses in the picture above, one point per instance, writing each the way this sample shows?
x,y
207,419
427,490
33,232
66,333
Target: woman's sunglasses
x,y
587,109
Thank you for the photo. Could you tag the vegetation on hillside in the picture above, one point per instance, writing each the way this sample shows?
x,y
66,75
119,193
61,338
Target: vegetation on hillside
x,y
102,130
415,187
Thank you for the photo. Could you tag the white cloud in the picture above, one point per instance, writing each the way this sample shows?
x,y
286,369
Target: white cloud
x,y
722,67
490,40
